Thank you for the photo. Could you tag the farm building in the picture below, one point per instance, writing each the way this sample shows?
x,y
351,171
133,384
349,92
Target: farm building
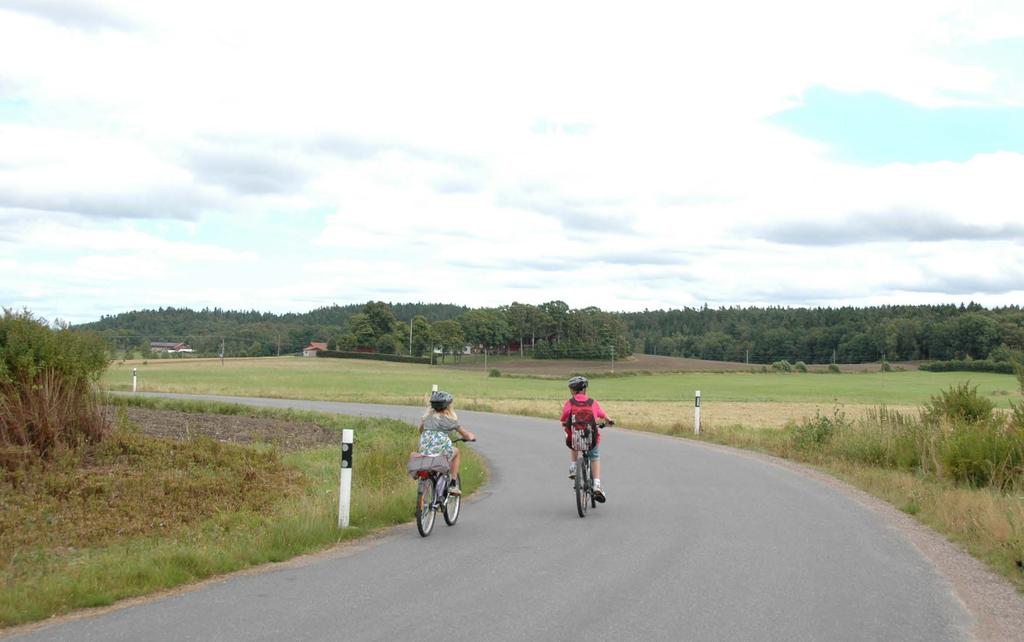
x,y
169,346
313,348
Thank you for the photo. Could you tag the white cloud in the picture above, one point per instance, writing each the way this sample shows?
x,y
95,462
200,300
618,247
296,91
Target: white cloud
x,y
588,153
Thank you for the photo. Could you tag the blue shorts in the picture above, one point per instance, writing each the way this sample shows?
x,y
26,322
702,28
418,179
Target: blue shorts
x,y
594,454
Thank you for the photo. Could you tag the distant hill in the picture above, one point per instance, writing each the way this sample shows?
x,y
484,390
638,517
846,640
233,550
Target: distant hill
x,y
246,333
734,334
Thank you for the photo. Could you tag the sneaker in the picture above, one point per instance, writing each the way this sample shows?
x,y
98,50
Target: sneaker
x,y
599,493
454,490
572,471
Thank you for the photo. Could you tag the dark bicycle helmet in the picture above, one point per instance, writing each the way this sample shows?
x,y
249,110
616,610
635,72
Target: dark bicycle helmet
x,y
439,400
578,384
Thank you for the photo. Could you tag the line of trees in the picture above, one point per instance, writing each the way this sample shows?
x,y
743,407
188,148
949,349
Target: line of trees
x,y
823,335
550,330
554,330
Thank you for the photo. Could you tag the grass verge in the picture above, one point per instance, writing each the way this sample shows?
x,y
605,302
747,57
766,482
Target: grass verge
x,y
136,514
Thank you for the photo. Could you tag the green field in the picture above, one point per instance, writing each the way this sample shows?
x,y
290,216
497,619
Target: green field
x,y
374,381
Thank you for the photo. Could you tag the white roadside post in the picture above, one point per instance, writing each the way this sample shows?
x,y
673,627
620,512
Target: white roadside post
x,y
696,414
433,388
135,379
345,490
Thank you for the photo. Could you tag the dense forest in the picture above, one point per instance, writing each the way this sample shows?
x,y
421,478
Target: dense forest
x,y
549,330
553,330
824,335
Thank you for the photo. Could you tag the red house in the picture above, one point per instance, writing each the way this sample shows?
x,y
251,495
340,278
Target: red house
x,y
313,348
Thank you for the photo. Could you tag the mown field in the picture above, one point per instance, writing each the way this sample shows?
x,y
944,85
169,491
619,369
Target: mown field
x,y
658,401
357,380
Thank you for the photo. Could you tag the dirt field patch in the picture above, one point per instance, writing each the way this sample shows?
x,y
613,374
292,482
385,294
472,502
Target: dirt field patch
x,y
285,435
641,363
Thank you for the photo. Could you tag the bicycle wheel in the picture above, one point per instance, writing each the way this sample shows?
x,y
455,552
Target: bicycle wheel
x,y
580,486
425,507
452,504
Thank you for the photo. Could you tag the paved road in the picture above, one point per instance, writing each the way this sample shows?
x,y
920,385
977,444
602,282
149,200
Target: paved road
x,y
694,543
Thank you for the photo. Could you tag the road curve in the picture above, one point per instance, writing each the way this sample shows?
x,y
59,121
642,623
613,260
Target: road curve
x,y
694,543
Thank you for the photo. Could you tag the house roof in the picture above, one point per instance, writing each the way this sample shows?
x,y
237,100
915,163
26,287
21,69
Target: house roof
x,y
316,345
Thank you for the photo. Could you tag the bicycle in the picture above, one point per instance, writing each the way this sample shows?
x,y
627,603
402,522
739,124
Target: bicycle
x,y
432,495
582,442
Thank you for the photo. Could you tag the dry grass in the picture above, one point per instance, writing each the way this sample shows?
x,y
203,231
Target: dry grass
x,y
131,485
989,524
42,416
670,417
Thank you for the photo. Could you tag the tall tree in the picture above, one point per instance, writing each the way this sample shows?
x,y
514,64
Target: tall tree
x,y
448,335
381,317
485,327
363,330
420,335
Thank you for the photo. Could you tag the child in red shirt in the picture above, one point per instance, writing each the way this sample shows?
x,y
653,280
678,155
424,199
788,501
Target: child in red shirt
x,y
579,399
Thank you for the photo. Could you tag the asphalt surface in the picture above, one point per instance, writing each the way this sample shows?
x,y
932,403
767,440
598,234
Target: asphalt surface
x,y
694,543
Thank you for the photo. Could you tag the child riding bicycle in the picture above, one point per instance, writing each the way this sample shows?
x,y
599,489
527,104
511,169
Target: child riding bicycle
x,y
580,412
435,439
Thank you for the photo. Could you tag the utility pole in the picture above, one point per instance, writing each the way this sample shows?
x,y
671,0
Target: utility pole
x,y
613,359
410,337
485,358
222,351
279,345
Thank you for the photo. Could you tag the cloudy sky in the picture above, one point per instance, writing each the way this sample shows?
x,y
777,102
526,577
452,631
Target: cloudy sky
x,y
286,156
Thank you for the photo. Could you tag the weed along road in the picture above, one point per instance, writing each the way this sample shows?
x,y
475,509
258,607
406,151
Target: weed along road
x,y
694,543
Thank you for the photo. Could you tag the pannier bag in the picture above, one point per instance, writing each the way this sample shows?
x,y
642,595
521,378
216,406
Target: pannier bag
x,y
429,463
581,439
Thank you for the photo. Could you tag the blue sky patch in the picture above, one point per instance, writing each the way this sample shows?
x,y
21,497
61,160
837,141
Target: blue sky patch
x,y
875,129
13,109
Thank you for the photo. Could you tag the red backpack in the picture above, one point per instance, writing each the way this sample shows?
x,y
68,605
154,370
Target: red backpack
x,y
581,414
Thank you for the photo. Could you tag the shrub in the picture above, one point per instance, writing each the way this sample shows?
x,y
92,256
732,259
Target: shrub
x,y
800,366
494,372
47,379
968,365
783,366
820,430
1006,353
960,403
833,368
1018,369
29,347
883,438
886,366
984,454
1016,418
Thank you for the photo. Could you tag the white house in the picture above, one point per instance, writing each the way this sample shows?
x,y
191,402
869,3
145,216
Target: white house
x,y
169,346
